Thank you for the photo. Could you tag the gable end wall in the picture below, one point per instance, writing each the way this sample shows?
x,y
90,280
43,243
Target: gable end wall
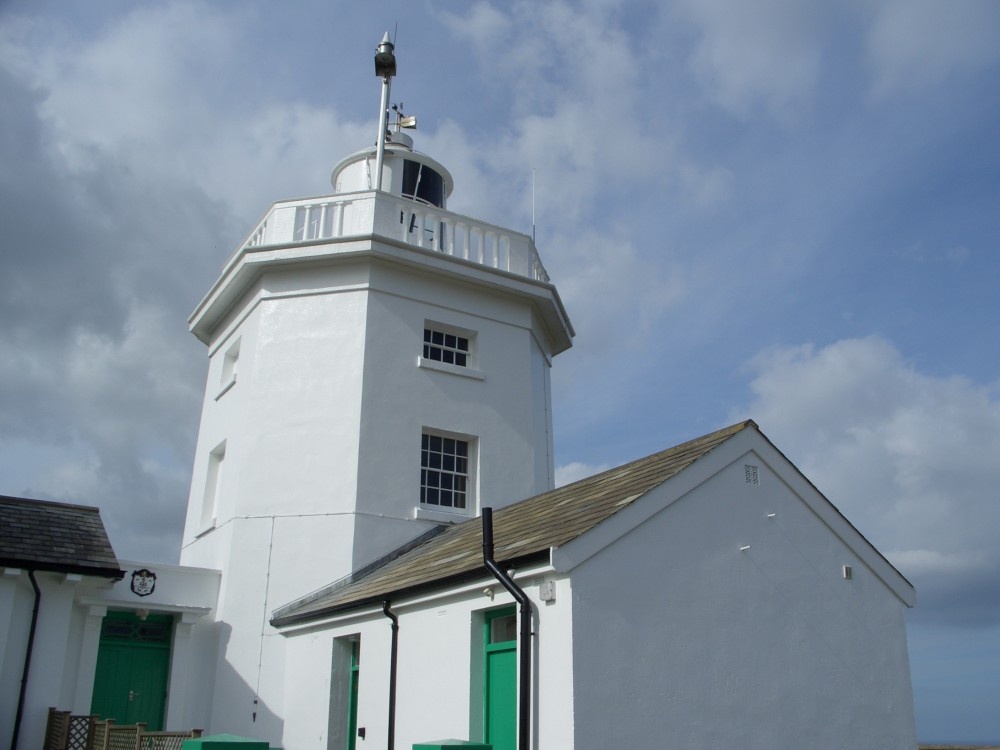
x,y
680,634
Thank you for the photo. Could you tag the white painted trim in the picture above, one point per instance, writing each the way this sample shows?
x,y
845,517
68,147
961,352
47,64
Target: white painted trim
x,y
465,372
424,513
225,388
185,611
420,601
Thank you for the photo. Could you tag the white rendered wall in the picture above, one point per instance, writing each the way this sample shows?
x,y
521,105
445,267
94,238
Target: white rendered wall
x,y
440,671
322,430
680,635
16,601
190,596
67,638
54,675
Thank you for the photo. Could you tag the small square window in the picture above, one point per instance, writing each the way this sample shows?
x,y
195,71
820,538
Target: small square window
x,y
450,348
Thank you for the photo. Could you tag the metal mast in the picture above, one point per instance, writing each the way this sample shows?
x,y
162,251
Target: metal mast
x,y
385,67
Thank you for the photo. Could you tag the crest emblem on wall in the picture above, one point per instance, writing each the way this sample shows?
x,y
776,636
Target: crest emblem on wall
x,y
143,582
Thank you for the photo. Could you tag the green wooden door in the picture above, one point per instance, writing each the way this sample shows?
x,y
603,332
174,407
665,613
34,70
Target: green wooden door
x,y
500,677
352,701
133,663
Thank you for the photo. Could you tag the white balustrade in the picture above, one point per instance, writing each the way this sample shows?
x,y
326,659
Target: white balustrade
x,y
417,224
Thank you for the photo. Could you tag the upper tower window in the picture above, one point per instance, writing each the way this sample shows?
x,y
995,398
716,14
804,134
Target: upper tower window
x,y
423,183
230,365
450,348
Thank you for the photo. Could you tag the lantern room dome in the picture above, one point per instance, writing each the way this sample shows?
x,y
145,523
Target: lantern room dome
x,y
405,173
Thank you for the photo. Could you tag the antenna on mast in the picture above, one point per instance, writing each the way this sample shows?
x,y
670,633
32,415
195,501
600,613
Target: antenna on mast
x,y
385,67
532,204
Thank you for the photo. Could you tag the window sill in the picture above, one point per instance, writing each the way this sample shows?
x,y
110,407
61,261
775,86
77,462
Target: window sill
x,y
225,388
465,372
424,513
208,529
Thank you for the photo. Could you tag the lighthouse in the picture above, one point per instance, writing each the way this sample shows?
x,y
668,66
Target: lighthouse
x,y
378,368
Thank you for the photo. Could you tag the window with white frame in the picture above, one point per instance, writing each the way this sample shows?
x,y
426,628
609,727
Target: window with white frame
x,y
448,347
230,362
444,472
213,484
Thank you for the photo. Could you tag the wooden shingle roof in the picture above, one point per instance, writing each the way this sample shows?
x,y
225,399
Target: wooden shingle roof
x,y
524,531
59,537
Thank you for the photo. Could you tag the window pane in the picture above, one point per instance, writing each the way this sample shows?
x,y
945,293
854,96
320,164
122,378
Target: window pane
x,y
503,629
450,348
444,471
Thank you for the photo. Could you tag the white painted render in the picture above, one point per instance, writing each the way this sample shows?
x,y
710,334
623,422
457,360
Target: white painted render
x,y
308,455
723,619
709,613
440,668
64,656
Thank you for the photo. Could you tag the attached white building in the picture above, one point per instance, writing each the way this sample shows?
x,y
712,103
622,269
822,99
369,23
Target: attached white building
x,y
83,631
706,596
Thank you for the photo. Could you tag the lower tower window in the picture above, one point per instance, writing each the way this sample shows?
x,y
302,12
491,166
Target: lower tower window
x,y
444,471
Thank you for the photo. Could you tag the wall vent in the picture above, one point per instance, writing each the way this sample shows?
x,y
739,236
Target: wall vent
x,y
848,572
752,474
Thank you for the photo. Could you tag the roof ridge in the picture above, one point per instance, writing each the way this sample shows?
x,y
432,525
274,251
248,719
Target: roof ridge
x,y
651,458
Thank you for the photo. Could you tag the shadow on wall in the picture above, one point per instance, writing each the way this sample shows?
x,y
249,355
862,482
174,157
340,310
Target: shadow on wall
x,y
238,707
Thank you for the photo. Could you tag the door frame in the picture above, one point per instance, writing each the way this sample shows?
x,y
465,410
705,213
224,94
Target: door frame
x,y
137,638
491,648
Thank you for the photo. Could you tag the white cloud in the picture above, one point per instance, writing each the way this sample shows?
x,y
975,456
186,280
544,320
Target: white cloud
x,y
910,458
761,56
576,112
572,472
617,294
915,43
160,90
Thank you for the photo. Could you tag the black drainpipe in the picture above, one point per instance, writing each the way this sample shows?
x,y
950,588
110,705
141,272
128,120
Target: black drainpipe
x,y
524,645
392,672
27,660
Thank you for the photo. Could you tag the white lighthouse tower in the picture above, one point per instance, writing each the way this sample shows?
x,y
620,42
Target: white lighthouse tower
x,y
377,365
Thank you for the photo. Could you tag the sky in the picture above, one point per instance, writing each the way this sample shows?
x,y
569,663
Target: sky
x,y
785,210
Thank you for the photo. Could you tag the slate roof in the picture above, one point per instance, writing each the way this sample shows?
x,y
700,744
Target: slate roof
x,y
522,532
59,537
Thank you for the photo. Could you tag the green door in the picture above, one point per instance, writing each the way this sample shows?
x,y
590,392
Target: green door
x,y
500,677
352,701
133,662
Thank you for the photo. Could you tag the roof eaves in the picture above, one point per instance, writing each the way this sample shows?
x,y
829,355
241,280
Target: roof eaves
x,y
98,571
413,590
